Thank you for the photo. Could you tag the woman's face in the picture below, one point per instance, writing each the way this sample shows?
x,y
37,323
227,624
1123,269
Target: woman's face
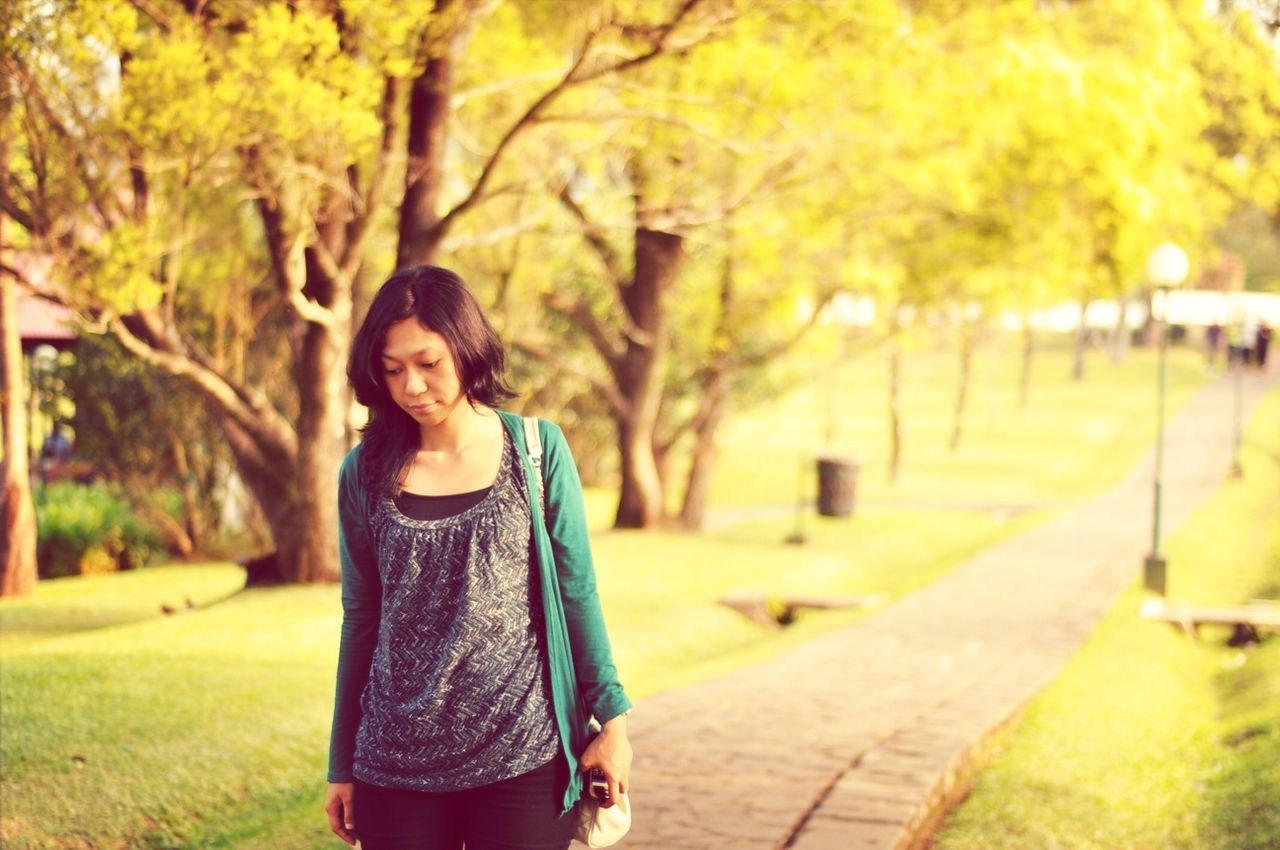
x,y
420,373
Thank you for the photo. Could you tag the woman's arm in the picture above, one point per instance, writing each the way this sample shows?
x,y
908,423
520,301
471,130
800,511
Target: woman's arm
x,y
361,612
610,750
575,567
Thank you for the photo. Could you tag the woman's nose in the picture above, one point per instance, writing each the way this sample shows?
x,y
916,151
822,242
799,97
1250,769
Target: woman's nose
x,y
414,383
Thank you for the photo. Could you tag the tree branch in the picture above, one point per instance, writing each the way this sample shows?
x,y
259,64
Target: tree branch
x,y
609,347
307,309
594,236
617,403
392,95
521,124
783,346
157,17
264,422
572,77
288,259
10,208
99,198
659,45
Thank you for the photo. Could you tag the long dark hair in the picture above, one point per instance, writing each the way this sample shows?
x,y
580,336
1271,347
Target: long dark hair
x,y
441,301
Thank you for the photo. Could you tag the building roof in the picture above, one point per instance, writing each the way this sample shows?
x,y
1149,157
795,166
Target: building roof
x,y
43,322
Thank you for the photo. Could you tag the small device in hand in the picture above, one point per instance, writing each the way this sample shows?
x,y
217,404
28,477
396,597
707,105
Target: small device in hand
x,y
598,785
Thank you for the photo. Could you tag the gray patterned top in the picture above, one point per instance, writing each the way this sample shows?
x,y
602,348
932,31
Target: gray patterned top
x,y
458,694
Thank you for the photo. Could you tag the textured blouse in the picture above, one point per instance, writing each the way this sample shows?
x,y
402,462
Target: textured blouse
x,y
457,694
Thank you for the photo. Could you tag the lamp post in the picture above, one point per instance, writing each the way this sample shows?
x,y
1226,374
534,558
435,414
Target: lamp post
x,y
1166,269
1236,365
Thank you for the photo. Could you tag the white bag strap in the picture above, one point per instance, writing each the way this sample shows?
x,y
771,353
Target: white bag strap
x,y
533,443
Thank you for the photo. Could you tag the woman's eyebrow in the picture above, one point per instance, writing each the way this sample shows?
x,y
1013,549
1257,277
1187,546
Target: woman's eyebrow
x,y
430,352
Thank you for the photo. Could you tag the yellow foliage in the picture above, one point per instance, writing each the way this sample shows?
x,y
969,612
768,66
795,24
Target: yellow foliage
x,y
119,268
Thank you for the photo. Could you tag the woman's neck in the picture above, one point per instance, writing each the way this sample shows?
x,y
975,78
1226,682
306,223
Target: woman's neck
x,y
464,427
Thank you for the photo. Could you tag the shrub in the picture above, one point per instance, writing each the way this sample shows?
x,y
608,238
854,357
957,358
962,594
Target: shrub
x,y
89,529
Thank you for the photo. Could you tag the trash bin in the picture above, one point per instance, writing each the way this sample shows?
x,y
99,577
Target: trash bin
x,y
837,485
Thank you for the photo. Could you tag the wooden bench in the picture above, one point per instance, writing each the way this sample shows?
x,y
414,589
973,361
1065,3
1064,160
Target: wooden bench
x,y
1248,621
780,610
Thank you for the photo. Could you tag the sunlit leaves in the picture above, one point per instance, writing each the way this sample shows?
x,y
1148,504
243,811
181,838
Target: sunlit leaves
x,y
295,87
118,269
172,102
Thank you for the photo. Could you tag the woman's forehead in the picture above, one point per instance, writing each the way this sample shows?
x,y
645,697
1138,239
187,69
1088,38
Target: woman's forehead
x,y
409,337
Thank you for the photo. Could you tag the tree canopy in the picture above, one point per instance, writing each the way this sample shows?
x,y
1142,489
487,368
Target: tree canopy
x,y
643,191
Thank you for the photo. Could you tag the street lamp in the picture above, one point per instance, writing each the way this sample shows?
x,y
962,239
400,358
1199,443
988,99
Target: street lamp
x,y
1166,269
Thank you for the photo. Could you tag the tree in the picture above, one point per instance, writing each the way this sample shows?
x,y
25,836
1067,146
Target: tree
x,y
18,533
148,126
728,156
150,434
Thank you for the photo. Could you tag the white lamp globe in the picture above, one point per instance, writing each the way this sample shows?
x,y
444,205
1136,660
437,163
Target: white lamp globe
x,y
1167,266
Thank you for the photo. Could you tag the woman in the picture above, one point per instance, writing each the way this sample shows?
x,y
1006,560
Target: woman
x,y
473,646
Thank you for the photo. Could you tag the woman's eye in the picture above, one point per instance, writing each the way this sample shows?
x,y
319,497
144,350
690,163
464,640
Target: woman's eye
x,y
392,372
432,364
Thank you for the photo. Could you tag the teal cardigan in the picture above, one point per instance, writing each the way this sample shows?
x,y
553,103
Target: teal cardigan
x,y
584,681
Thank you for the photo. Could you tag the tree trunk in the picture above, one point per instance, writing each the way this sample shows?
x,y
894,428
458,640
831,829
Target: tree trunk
x,y
967,340
1082,340
1120,333
895,403
639,375
176,536
640,491
18,533
1028,354
693,511
320,432
193,518
428,120
715,391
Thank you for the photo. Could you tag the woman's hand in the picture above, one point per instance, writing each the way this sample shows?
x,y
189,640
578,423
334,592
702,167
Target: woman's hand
x,y
611,752
340,805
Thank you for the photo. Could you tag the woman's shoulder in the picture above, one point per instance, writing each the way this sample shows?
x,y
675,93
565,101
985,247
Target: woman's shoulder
x,y
349,470
548,431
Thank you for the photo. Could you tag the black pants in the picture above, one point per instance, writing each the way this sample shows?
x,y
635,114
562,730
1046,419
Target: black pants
x,y
521,813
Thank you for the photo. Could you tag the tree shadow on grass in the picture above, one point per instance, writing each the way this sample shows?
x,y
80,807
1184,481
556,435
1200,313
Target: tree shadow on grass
x,y
28,621
1239,808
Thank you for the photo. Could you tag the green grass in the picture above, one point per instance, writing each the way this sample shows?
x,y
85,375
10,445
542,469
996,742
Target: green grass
x,y
1072,438
125,728
109,599
150,732
1148,739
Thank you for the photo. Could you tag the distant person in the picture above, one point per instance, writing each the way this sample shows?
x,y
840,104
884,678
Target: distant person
x,y
1213,343
473,646
57,446
1248,336
1235,345
1261,344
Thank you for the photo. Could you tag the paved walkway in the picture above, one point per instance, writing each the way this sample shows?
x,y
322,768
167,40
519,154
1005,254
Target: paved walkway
x,y
852,740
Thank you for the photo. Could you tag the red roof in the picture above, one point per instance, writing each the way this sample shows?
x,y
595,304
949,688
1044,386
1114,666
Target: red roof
x,y
42,322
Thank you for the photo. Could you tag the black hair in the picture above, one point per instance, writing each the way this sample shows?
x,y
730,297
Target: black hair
x,y
442,303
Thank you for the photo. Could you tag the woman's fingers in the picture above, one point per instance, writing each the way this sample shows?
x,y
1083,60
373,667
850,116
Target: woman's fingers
x,y
615,789
341,807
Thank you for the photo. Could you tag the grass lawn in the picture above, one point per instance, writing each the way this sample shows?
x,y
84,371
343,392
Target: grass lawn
x,y
124,727
1148,739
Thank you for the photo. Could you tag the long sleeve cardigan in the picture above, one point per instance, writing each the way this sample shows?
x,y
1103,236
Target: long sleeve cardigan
x,y
584,681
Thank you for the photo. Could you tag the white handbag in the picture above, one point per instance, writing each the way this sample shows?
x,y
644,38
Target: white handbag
x,y
601,827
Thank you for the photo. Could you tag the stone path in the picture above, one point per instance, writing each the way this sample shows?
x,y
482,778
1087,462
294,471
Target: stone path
x,y
854,740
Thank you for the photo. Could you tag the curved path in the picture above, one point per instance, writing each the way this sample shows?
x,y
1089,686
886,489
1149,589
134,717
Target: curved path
x,y
855,739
